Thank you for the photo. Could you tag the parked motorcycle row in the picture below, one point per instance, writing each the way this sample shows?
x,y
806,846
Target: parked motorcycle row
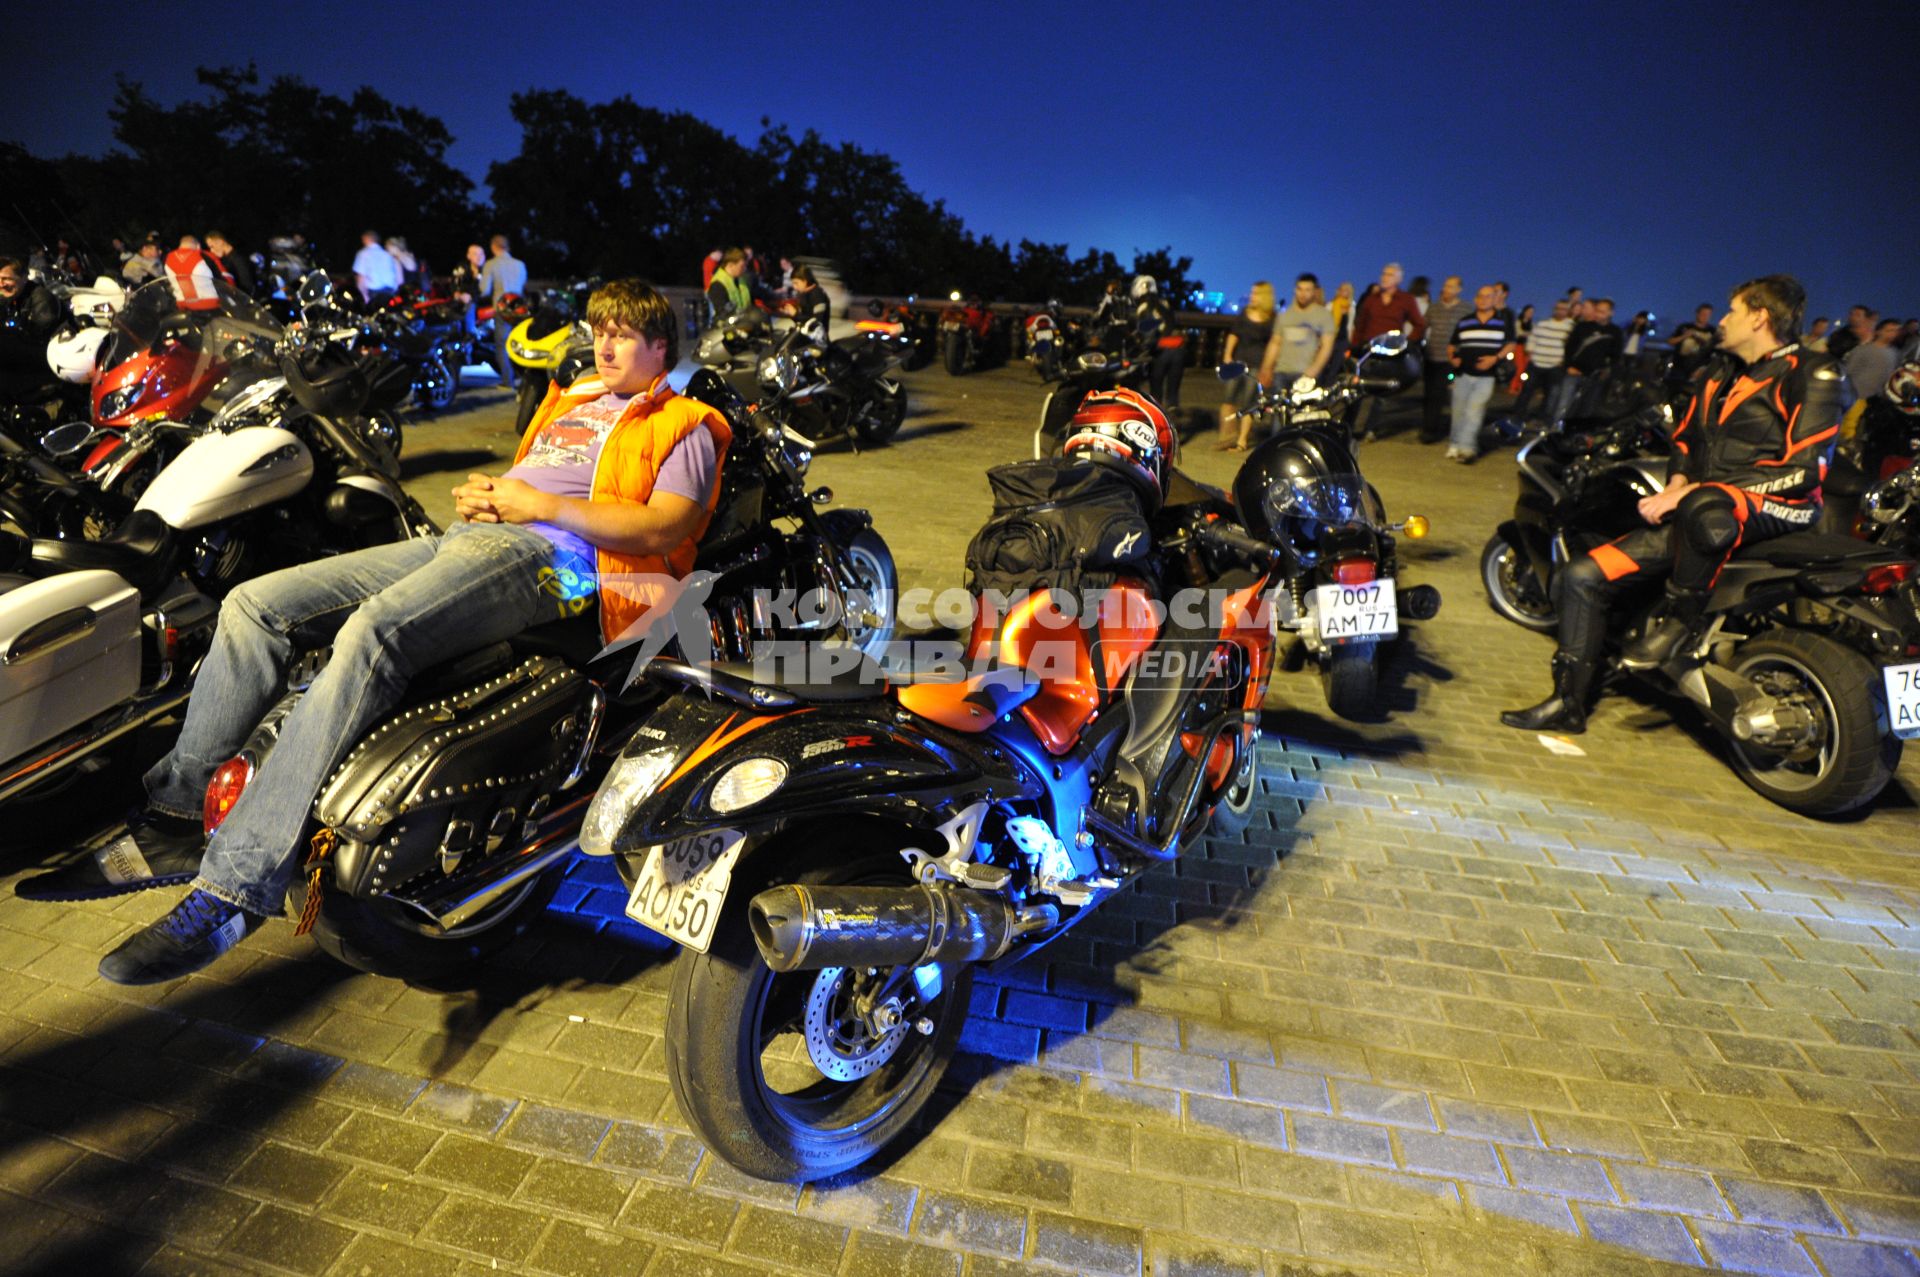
x,y
837,849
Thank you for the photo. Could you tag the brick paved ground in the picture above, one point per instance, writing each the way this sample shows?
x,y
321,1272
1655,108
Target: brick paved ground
x,y
1456,1004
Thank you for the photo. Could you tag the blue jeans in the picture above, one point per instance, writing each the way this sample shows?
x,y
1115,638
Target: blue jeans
x,y
1560,402
389,612
500,330
1541,382
1471,395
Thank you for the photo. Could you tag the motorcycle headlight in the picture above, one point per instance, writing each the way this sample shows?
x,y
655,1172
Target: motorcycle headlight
x,y
629,782
519,349
119,402
798,457
747,783
778,373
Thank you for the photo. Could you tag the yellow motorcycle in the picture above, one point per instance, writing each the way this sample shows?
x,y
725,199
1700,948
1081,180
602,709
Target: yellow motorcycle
x,y
538,344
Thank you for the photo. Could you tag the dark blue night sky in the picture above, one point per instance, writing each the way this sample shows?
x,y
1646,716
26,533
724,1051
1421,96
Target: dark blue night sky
x,y
1655,152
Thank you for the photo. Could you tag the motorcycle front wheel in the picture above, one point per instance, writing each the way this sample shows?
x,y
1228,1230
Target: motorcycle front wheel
x,y
1512,589
533,388
871,560
954,351
439,383
1845,757
773,1071
880,412
1349,675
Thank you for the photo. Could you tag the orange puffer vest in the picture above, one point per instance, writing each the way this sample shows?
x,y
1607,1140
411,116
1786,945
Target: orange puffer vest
x,y
629,464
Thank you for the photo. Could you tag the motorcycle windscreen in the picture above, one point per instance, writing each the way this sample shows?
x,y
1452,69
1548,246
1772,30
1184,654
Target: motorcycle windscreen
x,y
183,346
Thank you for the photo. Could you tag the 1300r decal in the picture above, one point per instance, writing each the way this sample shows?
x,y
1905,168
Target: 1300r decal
x,y
820,747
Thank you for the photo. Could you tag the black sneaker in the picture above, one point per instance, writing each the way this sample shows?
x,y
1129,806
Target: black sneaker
x,y
155,850
200,929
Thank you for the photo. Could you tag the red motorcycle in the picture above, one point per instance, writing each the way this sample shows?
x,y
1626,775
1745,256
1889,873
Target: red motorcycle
x,y
169,363
967,334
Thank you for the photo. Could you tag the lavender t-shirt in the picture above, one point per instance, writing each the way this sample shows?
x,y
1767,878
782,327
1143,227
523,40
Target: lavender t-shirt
x,y
561,461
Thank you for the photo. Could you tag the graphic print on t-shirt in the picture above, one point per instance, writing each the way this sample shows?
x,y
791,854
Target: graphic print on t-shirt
x,y
576,438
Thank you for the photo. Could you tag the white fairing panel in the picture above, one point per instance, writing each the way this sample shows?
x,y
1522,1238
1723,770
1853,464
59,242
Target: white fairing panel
x,y
218,476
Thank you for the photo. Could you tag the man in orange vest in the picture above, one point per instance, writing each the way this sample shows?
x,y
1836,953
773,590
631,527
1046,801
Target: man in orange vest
x,y
614,482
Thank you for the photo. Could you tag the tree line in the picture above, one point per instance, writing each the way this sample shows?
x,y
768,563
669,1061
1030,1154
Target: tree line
x,y
607,188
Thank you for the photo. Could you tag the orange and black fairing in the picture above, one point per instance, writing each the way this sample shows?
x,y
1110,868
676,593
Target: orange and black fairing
x,y
842,759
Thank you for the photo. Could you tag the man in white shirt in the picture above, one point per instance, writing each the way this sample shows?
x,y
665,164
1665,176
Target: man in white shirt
x,y
1546,359
375,272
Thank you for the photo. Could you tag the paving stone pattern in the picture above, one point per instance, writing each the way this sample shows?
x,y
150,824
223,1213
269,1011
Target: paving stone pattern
x,y
1455,1004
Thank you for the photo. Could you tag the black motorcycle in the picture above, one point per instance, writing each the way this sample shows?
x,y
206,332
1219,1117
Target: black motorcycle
x,y
443,832
836,389
1343,599
1803,644
837,856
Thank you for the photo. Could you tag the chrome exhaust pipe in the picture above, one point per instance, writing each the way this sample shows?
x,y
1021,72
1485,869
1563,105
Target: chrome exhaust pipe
x,y
803,928
455,899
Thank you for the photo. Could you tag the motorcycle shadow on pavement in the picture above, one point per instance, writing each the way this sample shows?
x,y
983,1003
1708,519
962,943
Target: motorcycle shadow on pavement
x,y
1064,1023
190,1086
417,462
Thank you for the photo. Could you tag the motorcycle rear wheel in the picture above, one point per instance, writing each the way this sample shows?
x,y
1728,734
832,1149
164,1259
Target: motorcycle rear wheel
x,y
1350,675
440,382
730,1017
1852,758
954,353
1512,590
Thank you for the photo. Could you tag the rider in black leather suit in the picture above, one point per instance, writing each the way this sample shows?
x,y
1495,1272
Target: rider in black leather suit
x,y
1749,457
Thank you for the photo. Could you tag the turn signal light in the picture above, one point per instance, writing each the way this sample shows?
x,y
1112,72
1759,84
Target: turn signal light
x,y
1883,579
1354,571
224,790
1417,526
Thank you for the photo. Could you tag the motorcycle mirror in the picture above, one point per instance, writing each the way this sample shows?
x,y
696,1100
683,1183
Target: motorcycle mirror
x,y
64,441
1232,371
1388,344
315,288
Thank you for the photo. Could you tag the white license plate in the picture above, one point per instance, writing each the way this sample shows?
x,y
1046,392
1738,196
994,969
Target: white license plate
x,y
1903,699
682,885
1348,612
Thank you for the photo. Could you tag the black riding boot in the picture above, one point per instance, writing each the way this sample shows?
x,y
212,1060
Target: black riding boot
x,y
1565,710
1666,636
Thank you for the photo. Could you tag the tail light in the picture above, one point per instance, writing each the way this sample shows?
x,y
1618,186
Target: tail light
x,y
1884,579
1355,571
224,790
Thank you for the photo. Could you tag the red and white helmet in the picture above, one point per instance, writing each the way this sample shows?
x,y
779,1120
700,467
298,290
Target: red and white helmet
x,y
1903,388
196,276
1125,429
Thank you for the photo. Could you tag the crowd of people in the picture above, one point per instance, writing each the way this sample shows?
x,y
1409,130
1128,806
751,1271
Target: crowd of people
x,y
1470,344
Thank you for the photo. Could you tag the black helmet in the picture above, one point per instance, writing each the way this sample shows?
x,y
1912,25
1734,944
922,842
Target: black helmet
x,y
1294,485
326,380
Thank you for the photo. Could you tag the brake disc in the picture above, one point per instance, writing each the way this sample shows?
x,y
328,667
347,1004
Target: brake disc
x,y
837,1042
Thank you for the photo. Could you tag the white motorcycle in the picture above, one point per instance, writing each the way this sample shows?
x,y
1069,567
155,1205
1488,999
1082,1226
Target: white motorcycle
x,y
100,638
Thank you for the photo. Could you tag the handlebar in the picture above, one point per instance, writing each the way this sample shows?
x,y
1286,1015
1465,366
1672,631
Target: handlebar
x,y
1225,536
